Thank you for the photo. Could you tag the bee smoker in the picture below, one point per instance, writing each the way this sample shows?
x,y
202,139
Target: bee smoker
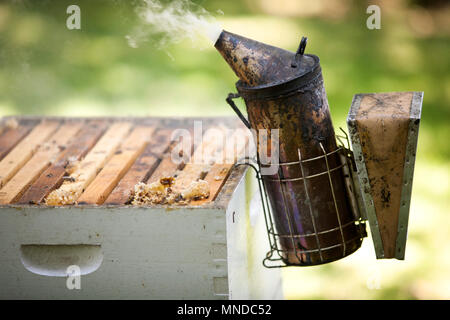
x,y
317,202
313,216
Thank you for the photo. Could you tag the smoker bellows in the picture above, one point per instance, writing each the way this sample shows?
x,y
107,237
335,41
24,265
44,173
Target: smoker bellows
x,y
317,203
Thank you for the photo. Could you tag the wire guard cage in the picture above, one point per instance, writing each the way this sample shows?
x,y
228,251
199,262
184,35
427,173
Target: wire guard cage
x,y
285,248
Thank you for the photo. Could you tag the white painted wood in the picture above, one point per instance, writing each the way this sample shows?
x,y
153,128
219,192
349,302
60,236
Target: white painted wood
x,y
52,260
247,246
147,253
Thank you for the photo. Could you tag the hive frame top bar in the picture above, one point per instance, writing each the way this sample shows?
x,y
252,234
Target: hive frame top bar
x,y
220,202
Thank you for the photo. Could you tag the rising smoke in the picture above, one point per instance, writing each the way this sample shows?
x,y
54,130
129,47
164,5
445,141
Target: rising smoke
x,y
168,23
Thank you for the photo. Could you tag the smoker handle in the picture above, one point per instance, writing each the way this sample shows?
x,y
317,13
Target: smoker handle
x,y
230,101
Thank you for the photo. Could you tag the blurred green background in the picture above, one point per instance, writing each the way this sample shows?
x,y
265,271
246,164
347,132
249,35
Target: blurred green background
x,y
47,69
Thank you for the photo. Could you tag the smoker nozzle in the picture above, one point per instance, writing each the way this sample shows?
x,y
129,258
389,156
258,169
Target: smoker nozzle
x,y
255,63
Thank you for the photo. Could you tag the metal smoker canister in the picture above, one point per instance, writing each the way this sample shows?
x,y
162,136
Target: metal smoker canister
x,y
285,91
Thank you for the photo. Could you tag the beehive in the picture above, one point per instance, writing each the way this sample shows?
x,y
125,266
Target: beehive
x,y
206,248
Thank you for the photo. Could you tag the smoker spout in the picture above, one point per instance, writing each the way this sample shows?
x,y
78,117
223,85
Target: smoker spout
x,y
255,63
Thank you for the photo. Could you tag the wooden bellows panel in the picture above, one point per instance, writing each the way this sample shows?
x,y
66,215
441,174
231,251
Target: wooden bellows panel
x,y
99,161
384,130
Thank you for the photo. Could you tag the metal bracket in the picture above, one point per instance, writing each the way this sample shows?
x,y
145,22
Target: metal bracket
x,y
230,101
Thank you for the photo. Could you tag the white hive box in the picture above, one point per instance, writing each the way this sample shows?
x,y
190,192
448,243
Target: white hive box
x,y
205,250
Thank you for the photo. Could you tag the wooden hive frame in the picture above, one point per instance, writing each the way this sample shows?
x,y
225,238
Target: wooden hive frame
x,y
109,156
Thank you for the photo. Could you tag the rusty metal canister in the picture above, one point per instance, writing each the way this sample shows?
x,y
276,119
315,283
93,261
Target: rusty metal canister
x,y
284,90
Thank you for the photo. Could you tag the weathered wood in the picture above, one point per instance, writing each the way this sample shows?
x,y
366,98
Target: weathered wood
x,y
116,167
379,126
218,173
43,157
11,137
204,156
169,168
78,181
166,168
37,177
53,176
25,150
142,168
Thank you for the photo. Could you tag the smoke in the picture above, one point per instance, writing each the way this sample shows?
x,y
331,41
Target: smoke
x,y
169,23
